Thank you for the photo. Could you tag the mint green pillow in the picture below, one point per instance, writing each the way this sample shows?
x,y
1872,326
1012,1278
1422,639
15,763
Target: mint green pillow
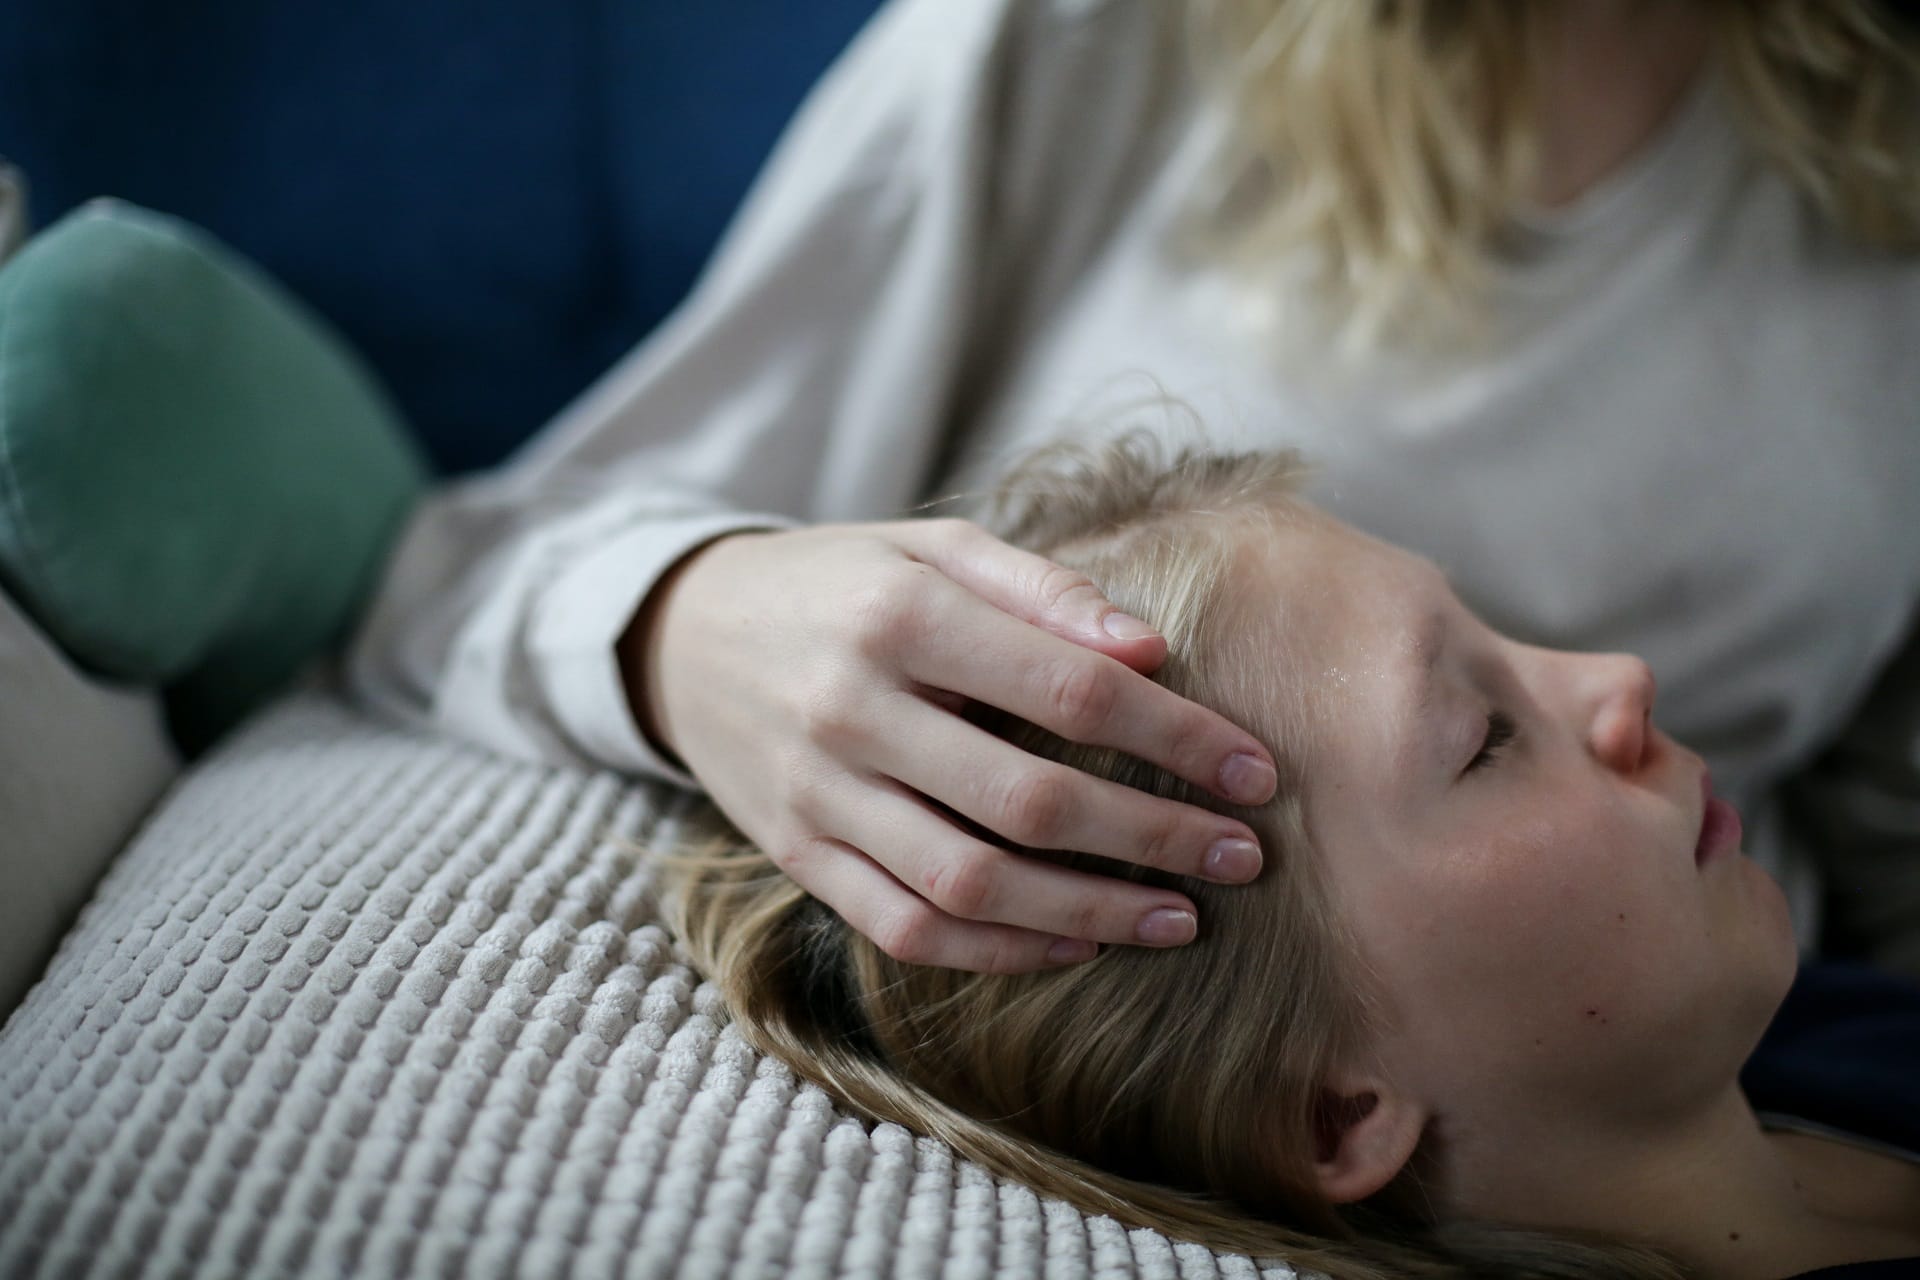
x,y
198,480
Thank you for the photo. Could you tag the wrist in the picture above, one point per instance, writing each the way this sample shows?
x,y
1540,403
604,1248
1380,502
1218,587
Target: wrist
x,y
640,653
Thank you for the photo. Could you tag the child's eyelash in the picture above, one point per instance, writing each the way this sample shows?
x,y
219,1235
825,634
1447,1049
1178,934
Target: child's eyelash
x,y
1501,731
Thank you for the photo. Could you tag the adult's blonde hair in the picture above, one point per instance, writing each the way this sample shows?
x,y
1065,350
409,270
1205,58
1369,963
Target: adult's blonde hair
x,y
1392,140
1176,1089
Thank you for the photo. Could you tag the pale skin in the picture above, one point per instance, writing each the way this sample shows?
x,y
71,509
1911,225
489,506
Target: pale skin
x,y
844,708
1611,73
1566,995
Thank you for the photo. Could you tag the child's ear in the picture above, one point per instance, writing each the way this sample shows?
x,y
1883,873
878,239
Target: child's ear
x,y
1365,1131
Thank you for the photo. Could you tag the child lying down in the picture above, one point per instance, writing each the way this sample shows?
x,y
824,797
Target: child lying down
x,y
1491,1007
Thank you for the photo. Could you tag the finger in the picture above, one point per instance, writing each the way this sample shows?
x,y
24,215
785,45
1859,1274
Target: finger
x,y
1031,588
968,646
970,879
912,930
1047,805
1064,604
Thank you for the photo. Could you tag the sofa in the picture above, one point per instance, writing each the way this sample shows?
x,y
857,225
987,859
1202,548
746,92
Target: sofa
x,y
290,990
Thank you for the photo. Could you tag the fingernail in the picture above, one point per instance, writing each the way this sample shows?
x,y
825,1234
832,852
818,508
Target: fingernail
x,y
1072,951
1233,860
1167,927
1124,626
1246,778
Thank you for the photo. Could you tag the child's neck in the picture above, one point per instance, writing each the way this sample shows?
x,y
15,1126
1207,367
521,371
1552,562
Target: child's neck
x,y
1718,1191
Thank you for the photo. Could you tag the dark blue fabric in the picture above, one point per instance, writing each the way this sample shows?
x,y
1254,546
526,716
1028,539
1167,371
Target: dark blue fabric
x,y
1887,1269
492,199
1844,1051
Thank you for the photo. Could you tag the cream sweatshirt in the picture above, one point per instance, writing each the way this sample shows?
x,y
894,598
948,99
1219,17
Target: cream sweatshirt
x,y
1693,438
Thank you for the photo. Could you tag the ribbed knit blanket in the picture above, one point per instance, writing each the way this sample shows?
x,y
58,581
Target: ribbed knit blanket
x,y
358,1001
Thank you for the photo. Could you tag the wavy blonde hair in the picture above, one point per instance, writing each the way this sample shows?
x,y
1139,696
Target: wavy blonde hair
x,y
1175,1089
1392,140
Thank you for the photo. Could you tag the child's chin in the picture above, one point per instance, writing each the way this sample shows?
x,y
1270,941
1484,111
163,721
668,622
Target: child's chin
x,y
1773,918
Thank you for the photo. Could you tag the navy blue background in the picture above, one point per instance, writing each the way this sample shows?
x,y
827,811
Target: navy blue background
x,y
491,199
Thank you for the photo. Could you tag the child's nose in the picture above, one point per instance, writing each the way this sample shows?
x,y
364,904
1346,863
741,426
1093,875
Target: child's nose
x,y
1622,726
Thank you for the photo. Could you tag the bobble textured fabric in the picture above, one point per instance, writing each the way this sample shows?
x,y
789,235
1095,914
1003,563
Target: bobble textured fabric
x,y
359,1001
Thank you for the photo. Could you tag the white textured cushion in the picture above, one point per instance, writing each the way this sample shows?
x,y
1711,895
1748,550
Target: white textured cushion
x,y
80,762
362,1002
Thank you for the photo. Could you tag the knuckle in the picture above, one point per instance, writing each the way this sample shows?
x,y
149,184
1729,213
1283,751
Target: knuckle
x,y
1082,694
958,531
1004,956
1165,847
907,934
1192,744
795,782
1034,806
1058,582
963,884
1085,921
882,610
828,711
793,856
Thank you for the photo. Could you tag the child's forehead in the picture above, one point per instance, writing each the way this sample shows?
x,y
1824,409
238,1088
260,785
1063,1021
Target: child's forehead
x,y
1333,605
1313,559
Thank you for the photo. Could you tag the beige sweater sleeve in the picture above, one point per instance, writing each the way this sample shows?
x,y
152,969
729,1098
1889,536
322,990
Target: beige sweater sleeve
x,y
809,377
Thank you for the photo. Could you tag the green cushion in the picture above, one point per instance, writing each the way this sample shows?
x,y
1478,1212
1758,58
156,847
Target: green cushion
x,y
198,480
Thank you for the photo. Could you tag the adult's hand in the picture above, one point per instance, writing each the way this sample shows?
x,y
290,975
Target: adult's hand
x,y
810,679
